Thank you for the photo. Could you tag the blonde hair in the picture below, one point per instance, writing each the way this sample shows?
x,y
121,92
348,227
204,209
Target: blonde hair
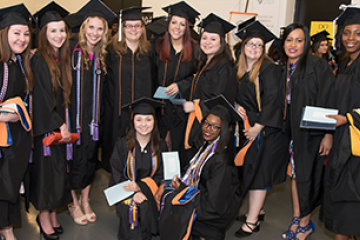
x,y
121,47
242,65
100,47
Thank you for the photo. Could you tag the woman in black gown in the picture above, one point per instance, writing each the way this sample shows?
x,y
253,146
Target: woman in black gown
x,y
49,186
340,210
130,66
14,58
88,73
137,157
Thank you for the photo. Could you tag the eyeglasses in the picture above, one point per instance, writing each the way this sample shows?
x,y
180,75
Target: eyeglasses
x,y
251,44
136,26
212,127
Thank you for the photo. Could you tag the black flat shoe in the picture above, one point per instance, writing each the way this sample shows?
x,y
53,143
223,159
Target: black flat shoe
x,y
242,218
53,236
241,233
59,230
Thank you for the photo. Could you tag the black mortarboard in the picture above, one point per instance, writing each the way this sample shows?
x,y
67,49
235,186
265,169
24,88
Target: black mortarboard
x,y
256,29
52,12
181,9
221,107
321,36
215,24
351,15
245,23
144,105
95,8
277,44
17,14
157,27
132,13
73,22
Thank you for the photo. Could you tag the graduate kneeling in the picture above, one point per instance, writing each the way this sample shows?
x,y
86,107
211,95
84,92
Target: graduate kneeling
x,y
137,157
207,198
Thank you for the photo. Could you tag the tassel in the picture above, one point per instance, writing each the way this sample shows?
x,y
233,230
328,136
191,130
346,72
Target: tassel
x,y
236,134
120,33
78,142
69,151
133,215
46,151
31,156
95,135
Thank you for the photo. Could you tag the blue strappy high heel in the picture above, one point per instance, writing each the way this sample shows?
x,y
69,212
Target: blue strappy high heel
x,y
289,234
304,230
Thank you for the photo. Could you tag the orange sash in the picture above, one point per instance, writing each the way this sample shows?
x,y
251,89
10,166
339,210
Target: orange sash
x,y
195,114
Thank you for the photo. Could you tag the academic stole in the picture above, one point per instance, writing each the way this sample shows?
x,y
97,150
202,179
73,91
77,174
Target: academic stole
x,y
130,173
192,175
4,90
94,126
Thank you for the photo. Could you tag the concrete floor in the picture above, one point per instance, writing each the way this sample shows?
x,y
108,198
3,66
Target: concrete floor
x,y
278,216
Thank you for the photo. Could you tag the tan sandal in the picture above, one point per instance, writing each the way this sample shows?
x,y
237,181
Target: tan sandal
x,y
82,221
91,217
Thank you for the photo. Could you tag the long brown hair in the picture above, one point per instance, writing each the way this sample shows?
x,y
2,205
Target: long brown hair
x,y
6,52
164,46
121,47
100,47
242,64
154,140
60,75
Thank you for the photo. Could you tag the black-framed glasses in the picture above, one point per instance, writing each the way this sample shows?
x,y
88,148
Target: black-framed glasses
x,y
256,45
213,128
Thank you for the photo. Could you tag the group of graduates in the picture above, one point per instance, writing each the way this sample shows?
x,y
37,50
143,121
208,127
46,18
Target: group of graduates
x,y
236,126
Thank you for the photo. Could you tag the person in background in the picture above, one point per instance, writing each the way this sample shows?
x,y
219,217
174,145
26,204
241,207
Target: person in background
x,y
320,47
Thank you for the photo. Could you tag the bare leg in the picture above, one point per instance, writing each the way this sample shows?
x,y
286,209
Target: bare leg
x,y
256,202
44,217
85,203
53,218
8,233
296,205
342,237
78,213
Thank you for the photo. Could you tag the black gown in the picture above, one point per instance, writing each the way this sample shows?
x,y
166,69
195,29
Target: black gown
x,y
340,210
82,168
148,212
135,82
216,205
14,159
49,186
173,118
267,158
313,88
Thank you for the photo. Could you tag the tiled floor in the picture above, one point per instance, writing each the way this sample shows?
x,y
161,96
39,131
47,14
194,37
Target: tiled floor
x,y
278,216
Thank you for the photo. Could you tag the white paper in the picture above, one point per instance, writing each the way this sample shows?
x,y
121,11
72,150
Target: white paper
x,y
171,164
11,106
318,114
117,193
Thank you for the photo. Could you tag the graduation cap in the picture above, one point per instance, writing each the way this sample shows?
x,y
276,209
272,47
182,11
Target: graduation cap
x,y
245,23
181,9
144,105
95,8
132,13
221,107
17,14
321,36
52,12
215,24
256,29
157,27
277,44
73,22
351,15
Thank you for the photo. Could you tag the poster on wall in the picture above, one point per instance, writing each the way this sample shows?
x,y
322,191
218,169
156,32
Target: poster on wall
x,y
319,26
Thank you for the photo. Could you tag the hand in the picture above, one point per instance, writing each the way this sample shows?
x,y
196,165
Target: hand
x,y
188,107
253,132
340,119
326,144
9,117
159,193
241,111
168,141
172,89
175,182
139,197
132,187
65,134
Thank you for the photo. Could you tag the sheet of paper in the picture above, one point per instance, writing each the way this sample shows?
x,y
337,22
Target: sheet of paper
x,y
9,106
171,164
177,101
318,114
160,94
117,193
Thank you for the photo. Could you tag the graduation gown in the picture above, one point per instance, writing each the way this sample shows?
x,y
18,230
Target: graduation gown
x,y
49,186
216,205
135,82
267,158
14,159
82,168
172,117
313,87
147,211
340,210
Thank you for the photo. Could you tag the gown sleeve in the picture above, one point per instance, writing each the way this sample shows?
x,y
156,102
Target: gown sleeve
x,y
118,162
325,84
159,175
